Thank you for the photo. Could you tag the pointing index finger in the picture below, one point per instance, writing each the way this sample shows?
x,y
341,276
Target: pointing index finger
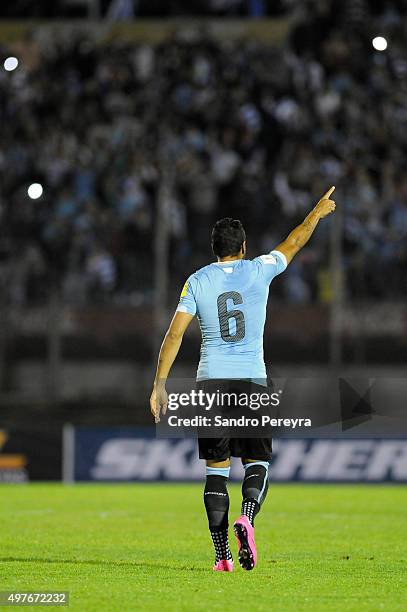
x,y
328,193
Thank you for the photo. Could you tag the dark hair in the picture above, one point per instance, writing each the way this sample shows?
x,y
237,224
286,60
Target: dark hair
x,y
228,236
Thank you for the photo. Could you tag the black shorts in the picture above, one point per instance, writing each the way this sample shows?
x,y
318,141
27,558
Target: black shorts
x,y
219,449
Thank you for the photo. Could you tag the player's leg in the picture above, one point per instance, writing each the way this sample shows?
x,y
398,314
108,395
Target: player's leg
x,y
216,452
216,500
254,491
256,455
254,487
255,483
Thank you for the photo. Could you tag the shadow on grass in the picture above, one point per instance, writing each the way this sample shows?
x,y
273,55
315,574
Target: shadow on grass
x,y
150,565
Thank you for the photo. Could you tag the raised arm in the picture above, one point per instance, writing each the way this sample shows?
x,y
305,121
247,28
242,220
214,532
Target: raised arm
x,y
168,352
302,233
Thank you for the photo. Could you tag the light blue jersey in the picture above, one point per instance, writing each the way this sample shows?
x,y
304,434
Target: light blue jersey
x,y
229,299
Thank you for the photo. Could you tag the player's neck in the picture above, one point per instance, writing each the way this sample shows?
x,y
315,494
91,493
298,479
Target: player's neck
x,y
230,258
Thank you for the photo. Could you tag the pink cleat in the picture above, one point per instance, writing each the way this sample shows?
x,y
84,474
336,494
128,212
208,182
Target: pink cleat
x,y
223,566
244,532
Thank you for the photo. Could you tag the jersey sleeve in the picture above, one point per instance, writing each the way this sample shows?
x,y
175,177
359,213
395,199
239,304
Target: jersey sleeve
x,y
272,264
187,302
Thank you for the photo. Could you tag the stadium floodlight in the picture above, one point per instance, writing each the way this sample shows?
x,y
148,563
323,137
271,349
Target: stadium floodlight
x,y
10,64
35,191
379,43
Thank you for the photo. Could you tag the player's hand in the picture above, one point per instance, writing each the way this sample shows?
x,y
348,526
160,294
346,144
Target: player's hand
x,y
158,401
326,206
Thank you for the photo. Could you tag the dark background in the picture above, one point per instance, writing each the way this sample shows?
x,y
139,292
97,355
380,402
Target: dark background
x,y
143,133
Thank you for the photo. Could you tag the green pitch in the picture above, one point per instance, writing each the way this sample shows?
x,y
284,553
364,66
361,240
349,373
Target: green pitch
x,y
146,547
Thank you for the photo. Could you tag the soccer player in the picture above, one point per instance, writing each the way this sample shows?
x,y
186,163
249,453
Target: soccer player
x,y
229,298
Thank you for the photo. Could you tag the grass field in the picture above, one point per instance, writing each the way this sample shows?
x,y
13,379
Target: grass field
x,y
146,547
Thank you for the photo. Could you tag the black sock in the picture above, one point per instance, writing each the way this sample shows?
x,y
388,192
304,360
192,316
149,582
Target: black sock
x,y
216,499
221,545
250,507
254,488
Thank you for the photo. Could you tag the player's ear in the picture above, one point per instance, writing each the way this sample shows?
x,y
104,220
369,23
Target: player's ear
x,y
243,251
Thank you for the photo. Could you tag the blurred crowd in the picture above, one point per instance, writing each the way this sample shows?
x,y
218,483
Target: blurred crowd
x,y
128,9
123,137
